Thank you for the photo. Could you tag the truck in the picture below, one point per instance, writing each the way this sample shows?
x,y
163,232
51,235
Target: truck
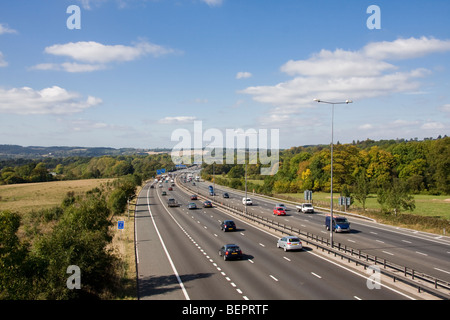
x,y
340,224
172,202
305,208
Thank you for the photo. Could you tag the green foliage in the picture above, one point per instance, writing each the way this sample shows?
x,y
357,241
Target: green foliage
x,y
394,197
79,235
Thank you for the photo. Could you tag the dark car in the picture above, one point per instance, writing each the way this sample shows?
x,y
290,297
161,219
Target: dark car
x,y
226,195
194,197
228,225
207,204
230,251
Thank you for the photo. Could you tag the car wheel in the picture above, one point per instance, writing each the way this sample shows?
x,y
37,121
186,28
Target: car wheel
x,y
278,245
285,249
224,258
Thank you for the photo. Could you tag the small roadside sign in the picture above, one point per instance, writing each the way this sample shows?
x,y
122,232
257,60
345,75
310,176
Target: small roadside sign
x,y
120,225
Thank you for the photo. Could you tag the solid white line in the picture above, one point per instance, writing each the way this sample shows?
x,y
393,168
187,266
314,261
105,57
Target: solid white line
x,y
165,250
441,270
358,274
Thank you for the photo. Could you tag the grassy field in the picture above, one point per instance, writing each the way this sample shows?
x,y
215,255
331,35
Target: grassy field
x,y
28,196
426,205
23,198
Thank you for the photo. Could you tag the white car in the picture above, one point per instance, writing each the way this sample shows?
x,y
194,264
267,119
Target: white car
x,y
247,202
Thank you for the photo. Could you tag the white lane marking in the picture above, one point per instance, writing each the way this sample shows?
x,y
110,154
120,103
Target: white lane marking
x,y
441,270
166,251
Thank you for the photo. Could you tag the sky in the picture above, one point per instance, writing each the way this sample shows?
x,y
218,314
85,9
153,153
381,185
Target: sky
x,y
130,73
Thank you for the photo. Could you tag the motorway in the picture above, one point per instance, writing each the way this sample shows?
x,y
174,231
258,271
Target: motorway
x,y
424,252
177,258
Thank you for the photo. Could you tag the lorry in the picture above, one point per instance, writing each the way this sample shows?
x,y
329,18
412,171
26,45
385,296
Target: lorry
x,y
305,208
172,202
340,224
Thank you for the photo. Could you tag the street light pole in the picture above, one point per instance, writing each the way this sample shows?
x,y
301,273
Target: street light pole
x,y
245,207
332,139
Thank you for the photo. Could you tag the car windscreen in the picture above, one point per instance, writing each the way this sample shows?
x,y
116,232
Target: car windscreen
x,y
341,220
293,240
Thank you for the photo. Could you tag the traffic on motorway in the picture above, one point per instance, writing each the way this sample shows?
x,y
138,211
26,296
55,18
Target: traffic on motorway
x,y
202,218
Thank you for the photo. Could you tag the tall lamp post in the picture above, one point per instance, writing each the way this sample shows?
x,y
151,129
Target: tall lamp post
x,y
331,185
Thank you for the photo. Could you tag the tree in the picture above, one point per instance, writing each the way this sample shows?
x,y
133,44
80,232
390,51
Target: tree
x,y
18,269
394,197
361,189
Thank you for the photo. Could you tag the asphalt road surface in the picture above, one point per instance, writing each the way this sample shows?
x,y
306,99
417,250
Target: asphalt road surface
x,y
177,255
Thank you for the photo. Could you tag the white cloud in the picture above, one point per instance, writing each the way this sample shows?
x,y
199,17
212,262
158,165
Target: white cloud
x,y
69,67
243,75
345,75
405,48
177,120
94,52
432,125
213,3
92,56
87,4
3,63
54,100
366,126
5,29
445,107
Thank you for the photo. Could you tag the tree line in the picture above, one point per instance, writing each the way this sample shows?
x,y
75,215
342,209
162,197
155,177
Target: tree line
x,y
391,168
14,171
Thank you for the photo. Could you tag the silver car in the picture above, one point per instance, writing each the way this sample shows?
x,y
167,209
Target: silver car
x,y
289,243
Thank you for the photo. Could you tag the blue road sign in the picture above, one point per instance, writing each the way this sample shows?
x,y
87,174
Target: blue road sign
x,y
120,225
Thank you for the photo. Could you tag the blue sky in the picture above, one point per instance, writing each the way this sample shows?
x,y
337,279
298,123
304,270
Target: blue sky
x,y
138,70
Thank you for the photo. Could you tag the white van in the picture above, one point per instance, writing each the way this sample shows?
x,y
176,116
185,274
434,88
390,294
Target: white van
x,y
247,202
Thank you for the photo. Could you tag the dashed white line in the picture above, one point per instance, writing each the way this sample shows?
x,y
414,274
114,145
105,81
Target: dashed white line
x,y
273,277
316,275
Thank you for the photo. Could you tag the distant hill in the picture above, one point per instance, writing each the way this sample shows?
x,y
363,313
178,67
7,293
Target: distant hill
x,y
37,152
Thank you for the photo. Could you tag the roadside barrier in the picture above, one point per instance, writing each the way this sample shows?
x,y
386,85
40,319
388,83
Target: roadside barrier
x,y
407,275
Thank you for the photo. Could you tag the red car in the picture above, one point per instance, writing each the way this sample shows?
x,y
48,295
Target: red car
x,y
170,189
279,211
194,197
